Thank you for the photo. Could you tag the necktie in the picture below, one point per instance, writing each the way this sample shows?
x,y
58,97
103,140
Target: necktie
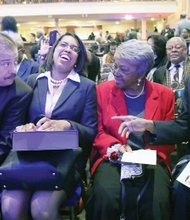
x,y
176,75
175,83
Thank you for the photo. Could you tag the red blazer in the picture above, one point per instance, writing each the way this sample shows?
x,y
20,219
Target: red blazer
x,y
159,105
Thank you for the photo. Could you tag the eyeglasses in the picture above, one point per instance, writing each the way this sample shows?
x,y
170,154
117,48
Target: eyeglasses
x,y
177,47
74,48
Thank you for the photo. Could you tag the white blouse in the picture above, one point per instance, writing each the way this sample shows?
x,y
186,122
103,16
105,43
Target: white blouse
x,y
55,88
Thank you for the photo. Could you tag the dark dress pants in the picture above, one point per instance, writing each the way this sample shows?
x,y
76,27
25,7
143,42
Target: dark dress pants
x,y
104,200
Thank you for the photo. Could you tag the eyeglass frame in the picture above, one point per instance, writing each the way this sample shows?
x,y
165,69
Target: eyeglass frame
x,y
74,48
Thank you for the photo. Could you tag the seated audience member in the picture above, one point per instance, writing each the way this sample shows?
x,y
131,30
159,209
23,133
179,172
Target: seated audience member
x,y
170,132
91,36
15,94
117,38
108,37
32,38
146,194
174,73
67,99
25,66
109,57
108,62
94,48
185,34
158,44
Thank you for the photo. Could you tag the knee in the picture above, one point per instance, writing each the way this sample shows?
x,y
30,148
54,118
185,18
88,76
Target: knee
x,y
10,210
41,215
41,211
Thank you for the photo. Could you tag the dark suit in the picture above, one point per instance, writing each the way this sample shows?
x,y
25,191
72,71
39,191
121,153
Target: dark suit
x,y
177,131
160,74
27,67
77,104
14,101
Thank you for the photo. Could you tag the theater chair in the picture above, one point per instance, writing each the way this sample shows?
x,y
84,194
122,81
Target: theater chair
x,y
74,205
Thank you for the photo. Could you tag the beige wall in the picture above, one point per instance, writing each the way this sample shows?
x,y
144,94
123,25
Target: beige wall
x,y
91,8
83,32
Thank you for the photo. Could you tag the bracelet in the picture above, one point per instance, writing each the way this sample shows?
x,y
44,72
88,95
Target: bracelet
x,y
115,146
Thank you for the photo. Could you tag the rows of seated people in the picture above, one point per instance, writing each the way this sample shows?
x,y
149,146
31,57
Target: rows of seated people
x,y
58,96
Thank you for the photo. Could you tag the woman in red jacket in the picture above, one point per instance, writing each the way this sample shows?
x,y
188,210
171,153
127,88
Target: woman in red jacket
x,y
147,196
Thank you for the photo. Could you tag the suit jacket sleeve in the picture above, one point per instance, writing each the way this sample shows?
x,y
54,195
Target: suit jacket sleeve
x,y
175,131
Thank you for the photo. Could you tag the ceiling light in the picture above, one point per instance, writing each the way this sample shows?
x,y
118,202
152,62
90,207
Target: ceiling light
x,y
128,17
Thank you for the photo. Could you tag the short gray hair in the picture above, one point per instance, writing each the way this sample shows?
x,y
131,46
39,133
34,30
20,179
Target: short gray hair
x,y
179,39
7,42
138,53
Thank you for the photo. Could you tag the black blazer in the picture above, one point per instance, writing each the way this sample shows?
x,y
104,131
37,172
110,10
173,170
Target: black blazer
x,y
77,104
160,74
176,131
14,101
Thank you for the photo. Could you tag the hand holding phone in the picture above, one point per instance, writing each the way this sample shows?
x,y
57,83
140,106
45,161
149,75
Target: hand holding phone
x,y
52,37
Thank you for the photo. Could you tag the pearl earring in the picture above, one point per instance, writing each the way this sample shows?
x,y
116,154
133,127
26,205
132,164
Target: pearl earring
x,y
139,82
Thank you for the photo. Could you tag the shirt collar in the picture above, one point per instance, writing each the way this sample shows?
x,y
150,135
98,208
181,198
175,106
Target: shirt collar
x,y
74,76
173,65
